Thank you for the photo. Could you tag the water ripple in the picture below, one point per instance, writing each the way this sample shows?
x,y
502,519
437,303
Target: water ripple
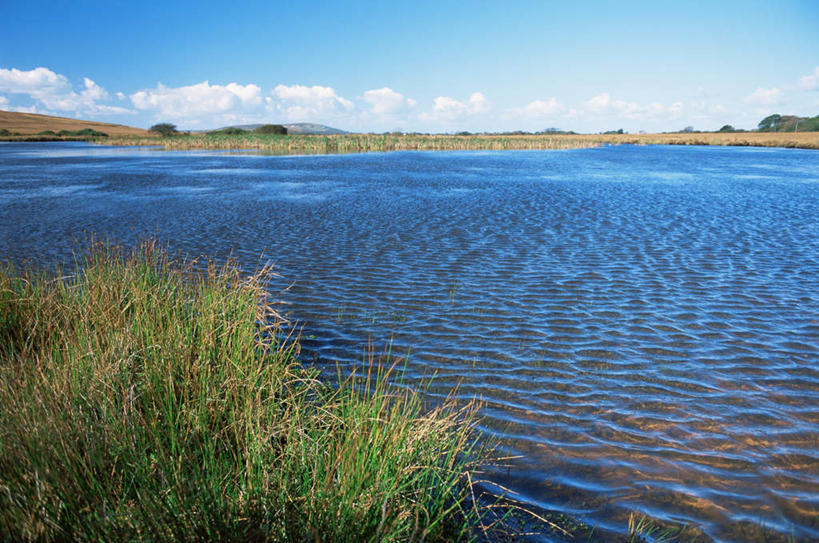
x,y
642,324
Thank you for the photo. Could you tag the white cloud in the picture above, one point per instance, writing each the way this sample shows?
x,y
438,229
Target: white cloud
x,y
478,103
765,97
4,102
40,84
27,109
675,110
38,80
543,108
445,107
299,102
386,101
599,102
54,92
810,82
195,101
604,104
449,107
93,91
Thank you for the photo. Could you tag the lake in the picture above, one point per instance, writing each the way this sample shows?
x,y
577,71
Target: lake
x,y
642,323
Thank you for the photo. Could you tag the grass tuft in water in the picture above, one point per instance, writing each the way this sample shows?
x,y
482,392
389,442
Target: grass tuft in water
x,y
141,399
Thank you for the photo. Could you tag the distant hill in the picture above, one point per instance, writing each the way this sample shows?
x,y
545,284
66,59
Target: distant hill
x,y
294,128
34,123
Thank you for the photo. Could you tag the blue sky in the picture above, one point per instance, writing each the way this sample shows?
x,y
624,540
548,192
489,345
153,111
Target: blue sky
x,y
426,66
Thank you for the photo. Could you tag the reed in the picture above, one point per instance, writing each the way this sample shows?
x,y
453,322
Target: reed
x,y
147,398
360,143
356,143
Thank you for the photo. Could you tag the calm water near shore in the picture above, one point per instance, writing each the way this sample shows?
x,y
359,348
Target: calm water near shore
x,y
642,322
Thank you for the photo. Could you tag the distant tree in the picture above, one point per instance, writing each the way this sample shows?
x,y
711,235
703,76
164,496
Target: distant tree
x,y
89,132
727,128
4,132
770,123
688,129
164,129
809,124
230,131
271,129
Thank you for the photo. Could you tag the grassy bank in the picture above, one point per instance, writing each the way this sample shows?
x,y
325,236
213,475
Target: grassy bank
x,y
143,400
86,134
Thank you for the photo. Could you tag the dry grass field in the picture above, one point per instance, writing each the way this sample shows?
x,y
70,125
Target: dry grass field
x,y
802,140
33,123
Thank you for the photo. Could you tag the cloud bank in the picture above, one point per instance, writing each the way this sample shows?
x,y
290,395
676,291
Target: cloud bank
x,y
210,105
302,103
194,102
52,92
386,101
765,97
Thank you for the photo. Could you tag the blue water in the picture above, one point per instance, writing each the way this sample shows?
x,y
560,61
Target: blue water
x,y
641,322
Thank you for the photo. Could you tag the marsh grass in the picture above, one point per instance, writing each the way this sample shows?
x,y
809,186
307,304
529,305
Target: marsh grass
x,y
147,398
356,143
359,143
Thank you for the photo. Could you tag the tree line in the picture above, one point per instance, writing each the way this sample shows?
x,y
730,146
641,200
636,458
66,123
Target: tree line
x,y
169,129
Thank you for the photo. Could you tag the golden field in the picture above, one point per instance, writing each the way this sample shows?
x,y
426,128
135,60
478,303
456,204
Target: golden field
x,y
33,123
802,140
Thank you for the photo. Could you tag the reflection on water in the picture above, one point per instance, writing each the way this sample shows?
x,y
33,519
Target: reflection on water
x,y
642,323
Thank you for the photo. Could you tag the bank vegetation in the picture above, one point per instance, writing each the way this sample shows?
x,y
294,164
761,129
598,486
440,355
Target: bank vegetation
x,y
144,398
299,144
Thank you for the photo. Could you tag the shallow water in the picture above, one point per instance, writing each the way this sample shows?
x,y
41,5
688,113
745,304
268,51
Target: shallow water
x,y
642,322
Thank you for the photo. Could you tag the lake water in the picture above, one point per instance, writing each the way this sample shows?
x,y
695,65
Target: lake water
x,y
642,322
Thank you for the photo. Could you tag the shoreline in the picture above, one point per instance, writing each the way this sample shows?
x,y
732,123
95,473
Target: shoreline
x,y
351,143
301,144
171,400
148,397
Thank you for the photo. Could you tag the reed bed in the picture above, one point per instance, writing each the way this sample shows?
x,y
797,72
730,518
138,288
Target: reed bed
x,y
360,143
144,398
355,143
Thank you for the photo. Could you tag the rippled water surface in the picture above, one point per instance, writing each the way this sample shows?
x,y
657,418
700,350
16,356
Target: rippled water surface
x,y
642,322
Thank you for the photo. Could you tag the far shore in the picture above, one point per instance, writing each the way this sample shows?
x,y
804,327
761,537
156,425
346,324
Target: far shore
x,y
355,143
28,127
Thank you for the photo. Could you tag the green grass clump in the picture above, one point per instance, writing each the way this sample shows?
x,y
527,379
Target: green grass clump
x,y
143,400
